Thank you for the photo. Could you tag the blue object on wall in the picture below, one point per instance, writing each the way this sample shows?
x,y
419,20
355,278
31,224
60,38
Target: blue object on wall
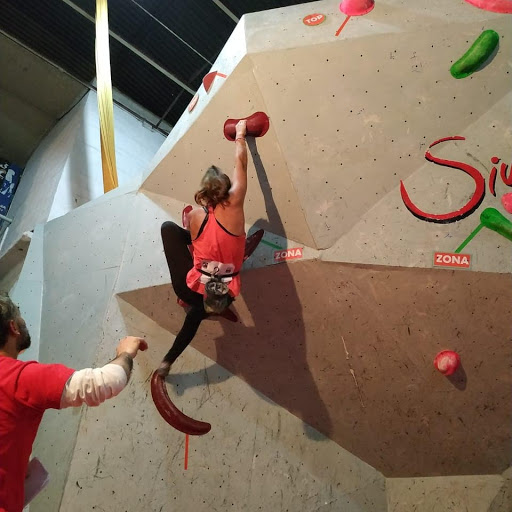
x,y
8,187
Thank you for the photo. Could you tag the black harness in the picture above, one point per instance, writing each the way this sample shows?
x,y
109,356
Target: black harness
x,y
217,276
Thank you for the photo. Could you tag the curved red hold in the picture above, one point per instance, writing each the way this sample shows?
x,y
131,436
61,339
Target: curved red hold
x,y
257,126
501,6
171,414
467,209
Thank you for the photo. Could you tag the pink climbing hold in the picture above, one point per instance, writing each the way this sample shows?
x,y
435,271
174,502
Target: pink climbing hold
x,y
447,362
506,201
357,7
501,6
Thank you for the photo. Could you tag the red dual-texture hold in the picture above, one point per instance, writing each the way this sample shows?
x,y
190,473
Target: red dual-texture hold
x,y
447,362
171,414
501,6
257,126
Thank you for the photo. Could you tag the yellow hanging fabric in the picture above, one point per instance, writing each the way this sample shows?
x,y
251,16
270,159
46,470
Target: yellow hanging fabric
x,y
105,103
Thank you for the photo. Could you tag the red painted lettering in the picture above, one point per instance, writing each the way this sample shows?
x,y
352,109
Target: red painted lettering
x,y
492,181
503,173
474,202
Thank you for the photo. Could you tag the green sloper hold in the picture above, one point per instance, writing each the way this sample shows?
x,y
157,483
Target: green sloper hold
x,y
479,52
493,219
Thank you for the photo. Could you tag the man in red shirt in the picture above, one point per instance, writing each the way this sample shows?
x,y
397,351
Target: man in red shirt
x,y
27,389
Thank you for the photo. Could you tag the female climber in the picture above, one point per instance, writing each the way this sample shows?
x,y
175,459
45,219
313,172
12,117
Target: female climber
x,y
208,282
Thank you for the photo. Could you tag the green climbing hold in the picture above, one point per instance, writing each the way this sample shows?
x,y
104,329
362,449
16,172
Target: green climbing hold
x,y
493,219
479,52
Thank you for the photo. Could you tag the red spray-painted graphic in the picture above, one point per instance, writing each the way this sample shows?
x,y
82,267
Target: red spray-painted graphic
x,y
478,195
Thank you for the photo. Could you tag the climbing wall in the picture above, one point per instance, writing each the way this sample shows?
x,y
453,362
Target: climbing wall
x,y
386,241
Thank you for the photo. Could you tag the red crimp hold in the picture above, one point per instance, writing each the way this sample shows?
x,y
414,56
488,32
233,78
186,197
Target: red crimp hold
x,y
257,126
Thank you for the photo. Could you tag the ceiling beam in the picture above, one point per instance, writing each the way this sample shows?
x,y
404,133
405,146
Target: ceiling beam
x,y
223,8
171,31
132,48
85,84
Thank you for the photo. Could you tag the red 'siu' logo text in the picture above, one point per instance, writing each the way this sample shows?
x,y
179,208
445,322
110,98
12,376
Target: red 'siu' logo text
x,y
478,195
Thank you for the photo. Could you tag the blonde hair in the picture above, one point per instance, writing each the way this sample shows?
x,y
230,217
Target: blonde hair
x,y
214,189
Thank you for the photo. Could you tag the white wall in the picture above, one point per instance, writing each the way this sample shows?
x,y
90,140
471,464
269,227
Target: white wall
x,y
82,178
33,199
65,170
28,292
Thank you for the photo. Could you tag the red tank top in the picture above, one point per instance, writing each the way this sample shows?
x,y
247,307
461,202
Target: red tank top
x,y
216,245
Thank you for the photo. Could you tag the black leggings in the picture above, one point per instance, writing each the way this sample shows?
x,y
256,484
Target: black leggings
x,y
175,240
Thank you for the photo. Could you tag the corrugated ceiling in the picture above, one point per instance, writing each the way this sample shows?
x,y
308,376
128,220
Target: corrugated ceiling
x,y
181,36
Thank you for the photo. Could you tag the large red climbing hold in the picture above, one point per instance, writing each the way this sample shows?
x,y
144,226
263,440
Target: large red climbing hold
x,y
501,6
257,126
357,7
447,362
171,414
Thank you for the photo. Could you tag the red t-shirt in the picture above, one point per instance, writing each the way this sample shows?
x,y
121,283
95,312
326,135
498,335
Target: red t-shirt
x,y
27,389
215,243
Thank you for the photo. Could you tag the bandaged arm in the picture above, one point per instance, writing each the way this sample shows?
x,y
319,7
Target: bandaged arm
x,y
94,386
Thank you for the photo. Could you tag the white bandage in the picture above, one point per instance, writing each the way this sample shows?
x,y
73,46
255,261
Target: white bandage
x,y
93,386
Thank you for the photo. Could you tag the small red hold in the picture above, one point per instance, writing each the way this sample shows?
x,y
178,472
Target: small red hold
x,y
506,201
257,126
184,216
193,103
182,303
447,362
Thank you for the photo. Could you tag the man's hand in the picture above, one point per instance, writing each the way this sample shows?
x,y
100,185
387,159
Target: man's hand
x,y
131,345
241,129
